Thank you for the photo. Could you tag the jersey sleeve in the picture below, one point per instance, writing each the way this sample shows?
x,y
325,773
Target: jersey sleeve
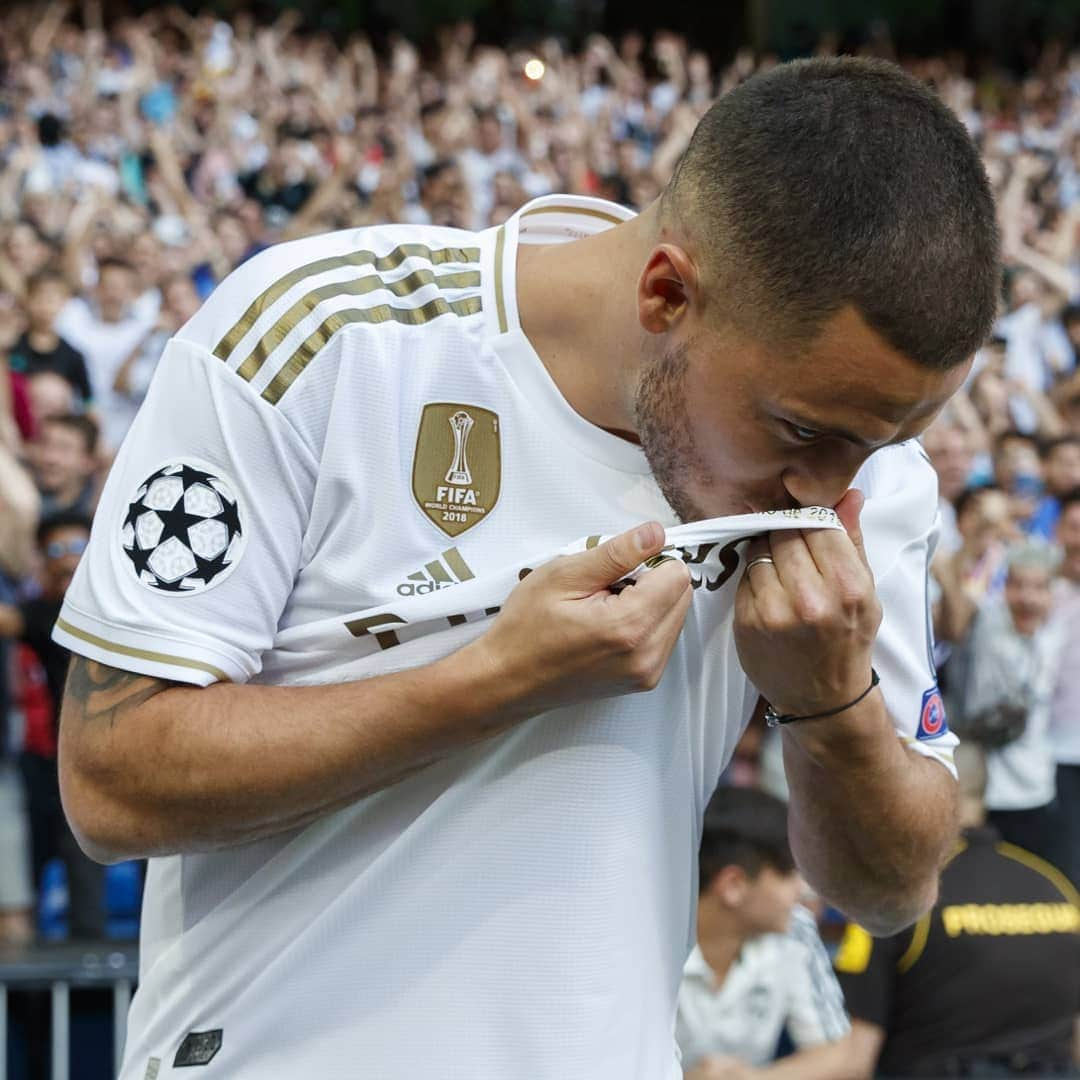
x,y
901,524
816,1003
865,967
198,535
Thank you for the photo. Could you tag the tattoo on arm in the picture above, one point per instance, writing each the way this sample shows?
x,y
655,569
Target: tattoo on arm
x,y
102,693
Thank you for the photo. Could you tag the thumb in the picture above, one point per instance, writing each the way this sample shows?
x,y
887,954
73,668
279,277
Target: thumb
x,y
604,564
848,510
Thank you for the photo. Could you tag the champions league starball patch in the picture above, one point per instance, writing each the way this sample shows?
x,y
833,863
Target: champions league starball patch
x,y
932,721
182,532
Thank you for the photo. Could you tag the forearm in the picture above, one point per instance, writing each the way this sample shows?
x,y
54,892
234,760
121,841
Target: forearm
x,y
871,822
153,768
828,1061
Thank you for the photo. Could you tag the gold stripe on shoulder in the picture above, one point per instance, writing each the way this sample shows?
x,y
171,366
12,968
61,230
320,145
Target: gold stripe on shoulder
x,y
1042,867
356,287
318,339
587,211
394,258
500,302
141,654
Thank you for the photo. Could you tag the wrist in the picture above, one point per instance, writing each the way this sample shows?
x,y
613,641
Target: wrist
x,y
488,683
862,735
775,718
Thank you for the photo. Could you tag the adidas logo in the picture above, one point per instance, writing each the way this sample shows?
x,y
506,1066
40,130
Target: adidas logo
x,y
448,569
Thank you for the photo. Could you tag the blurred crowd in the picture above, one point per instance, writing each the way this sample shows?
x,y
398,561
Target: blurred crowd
x,y
142,161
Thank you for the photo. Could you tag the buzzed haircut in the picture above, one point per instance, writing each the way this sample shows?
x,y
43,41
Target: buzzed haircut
x,y
62,519
48,276
86,428
111,262
1051,445
971,494
747,828
834,182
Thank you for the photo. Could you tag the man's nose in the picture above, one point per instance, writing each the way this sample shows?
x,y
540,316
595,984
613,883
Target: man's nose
x,y
821,480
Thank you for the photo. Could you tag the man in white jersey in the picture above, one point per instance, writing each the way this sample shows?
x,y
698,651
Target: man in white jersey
x,y
407,808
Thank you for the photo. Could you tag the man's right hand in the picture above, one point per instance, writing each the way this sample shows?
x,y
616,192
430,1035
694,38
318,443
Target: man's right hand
x,y
564,636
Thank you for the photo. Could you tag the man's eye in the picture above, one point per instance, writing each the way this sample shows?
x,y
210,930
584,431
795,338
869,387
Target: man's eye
x,y
803,434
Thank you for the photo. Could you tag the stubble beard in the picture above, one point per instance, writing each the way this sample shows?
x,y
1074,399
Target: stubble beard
x,y
666,439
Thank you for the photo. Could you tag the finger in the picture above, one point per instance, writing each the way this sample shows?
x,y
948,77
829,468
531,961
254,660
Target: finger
x,y
745,606
589,571
795,566
849,511
656,591
757,548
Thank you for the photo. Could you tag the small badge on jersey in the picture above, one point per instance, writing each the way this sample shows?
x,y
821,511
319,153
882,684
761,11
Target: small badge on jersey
x,y
182,532
198,1048
457,465
932,722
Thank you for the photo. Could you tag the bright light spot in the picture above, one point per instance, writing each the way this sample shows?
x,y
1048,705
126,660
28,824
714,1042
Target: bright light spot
x,y
534,70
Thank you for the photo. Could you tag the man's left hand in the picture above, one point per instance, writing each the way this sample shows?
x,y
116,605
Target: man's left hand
x,y
805,623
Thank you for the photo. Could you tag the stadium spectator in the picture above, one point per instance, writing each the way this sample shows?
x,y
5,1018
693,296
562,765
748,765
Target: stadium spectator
x,y
40,671
41,348
976,571
759,967
949,449
986,984
1014,656
1061,473
179,302
19,505
106,332
65,461
1065,711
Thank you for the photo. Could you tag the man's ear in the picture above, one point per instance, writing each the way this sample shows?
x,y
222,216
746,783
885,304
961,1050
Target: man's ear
x,y
668,285
730,885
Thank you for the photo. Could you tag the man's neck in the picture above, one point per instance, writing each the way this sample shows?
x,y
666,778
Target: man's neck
x,y
720,942
579,310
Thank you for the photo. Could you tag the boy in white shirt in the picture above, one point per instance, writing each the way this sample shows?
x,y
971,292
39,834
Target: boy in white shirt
x,y
759,965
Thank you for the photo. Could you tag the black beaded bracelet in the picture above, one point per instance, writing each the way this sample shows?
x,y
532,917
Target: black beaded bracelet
x,y
774,719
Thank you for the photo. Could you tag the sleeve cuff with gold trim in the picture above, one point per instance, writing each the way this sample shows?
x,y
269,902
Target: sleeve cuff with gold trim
x,y
147,652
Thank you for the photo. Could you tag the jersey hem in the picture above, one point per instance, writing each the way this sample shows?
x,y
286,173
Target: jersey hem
x,y
132,650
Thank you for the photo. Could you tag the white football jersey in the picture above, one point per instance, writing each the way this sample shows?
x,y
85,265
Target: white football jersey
x,y
343,464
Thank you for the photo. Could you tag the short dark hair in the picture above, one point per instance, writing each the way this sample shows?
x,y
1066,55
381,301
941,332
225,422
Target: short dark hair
x,y
1070,499
1014,435
48,276
1051,445
62,519
111,262
970,494
743,827
842,181
85,426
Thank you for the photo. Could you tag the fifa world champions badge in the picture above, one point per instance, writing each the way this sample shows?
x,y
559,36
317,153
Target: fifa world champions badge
x,y
932,721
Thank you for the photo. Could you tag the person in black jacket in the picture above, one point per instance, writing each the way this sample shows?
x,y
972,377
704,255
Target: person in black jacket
x,y
988,983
